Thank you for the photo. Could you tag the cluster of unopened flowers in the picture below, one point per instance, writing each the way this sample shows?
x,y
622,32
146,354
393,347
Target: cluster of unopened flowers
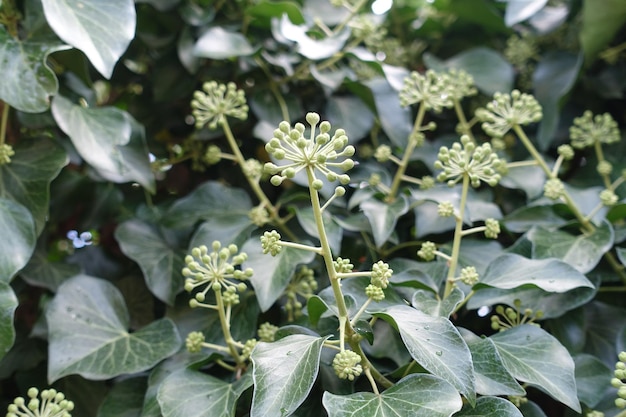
x,y
47,403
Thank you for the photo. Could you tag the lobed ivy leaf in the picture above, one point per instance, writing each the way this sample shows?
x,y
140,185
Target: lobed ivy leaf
x,y
43,272
189,393
102,31
18,238
525,218
383,216
415,394
88,333
351,114
8,304
125,399
532,355
284,373
218,43
409,273
160,263
582,251
435,344
529,179
490,407
108,139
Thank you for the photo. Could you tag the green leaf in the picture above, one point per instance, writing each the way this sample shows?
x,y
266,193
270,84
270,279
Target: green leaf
x,y
125,398
218,43
527,217
27,178
601,21
102,33
272,273
409,273
510,271
268,9
553,78
429,303
582,251
394,119
108,139
8,304
284,373
309,47
415,395
160,263
436,345
529,179
492,378
189,393
43,272
533,356
490,407
27,81
350,114
334,232
18,238
383,216
491,72
226,228
592,376
520,10
88,333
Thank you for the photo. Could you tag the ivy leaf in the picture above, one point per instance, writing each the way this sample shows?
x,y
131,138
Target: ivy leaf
x,y
272,273
109,139
601,21
42,272
525,218
491,72
8,304
492,378
27,178
583,251
529,179
160,263
226,228
284,373
102,33
18,238
520,10
334,232
429,303
384,216
88,333
533,356
415,394
591,379
189,393
125,398
218,43
27,81
490,407
435,343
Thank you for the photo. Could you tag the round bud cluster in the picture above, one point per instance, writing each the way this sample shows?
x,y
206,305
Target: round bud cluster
x,y
381,274
267,332
507,318
212,155
230,296
427,251
594,413
589,130
6,152
479,163
608,198
508,110
553,189
445,209
460,84
566,151
618,381
520,49
469,276
374,292
374,179
383,153
259,215
194,342
364,27
270,243
247,348
343,265
316,153
216,101
604,168
430,89
428,182
304,285
347,365
252,169
49,402
492,228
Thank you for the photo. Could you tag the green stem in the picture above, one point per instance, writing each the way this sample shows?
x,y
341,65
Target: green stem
x,y
230,342
4,123
458,234
462,303
361,311
353,12
284,109
466,129
366,364
600,155
519,164
395,185
368,374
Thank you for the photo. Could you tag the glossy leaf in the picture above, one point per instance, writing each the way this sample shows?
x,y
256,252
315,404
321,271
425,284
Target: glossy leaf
x,y
416,394
408,273
267,9
43,272
27,82
334,232
272,273
8,304
529,179
395,120
160,263
601,20
284,373
26,180
582,251
490,407
520,10
591,379
218,43
428,303
527,217
125,399
108,139
383,216
533,356
436,345
102,33
227,229
88,333
189,393
491,72
19,238
351,114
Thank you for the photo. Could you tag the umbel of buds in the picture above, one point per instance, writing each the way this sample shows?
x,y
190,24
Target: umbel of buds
x,y
48,403
216,101
508,110
480,163
589,129
430,89
6,152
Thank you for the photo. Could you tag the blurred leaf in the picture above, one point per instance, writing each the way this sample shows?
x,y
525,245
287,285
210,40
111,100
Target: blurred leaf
x,y
218,43
88,333
8,304
436,345
525,218
482,13
267,9
102,33
423,395
601,21
227,229
529,179
351,114
490,407
160,263
520,10
334,232
395,120
211,396
284,373
125,398
107,138
384,216
533,356
591,379
18,238
42,272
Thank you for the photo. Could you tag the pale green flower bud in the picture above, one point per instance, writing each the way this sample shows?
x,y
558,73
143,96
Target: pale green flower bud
x,y
194,342
566,151
6,152
553,189
608,198
429,88
508,110
347,365
492,228
212,155
259,215
589,129
381,274
604,168
343,265
216,101
445,209
270,243
267,332
374,292
427,251
382,154
469,276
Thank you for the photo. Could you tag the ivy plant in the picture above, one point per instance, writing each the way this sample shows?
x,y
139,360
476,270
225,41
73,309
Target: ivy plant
x,y
312,207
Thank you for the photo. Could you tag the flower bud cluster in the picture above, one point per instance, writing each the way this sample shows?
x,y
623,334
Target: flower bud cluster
x,y
267,332
347,365
216,101
589,129
479,163
508,110
514,317
247,348
381,274
427,251
566,151
618,381
6,152
343,265
302,285
194,342
608,197
316,153
213,271
212,155
445,209
259,215
469,276
492,228
553,189
49,402
383,153
364,27
270,243
374,292
460,84
430,89
520,49
604,168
